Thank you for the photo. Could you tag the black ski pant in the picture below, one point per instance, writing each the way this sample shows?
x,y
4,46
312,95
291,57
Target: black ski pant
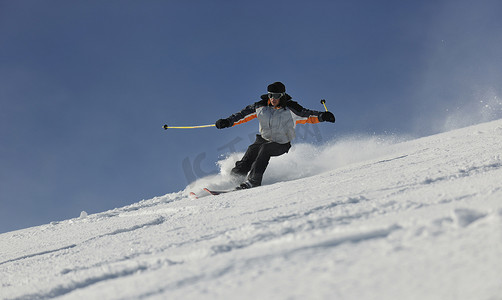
x,y
256,159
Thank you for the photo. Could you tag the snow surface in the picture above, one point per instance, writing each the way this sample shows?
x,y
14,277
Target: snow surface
x,y
363,218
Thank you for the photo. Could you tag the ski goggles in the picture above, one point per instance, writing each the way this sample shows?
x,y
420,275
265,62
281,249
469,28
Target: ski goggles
x,y
275,95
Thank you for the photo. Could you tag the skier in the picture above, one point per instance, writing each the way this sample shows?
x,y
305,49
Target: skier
x,y
277,115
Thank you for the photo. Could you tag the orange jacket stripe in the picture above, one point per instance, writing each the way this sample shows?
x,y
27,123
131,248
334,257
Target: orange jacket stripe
x,y
246,119
311,120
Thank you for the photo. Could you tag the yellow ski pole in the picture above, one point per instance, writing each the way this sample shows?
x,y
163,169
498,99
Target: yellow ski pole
x,y
187,127
323,102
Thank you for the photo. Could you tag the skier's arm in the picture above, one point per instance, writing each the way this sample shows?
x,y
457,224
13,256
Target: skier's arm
x,y
247,114
243,116
303,115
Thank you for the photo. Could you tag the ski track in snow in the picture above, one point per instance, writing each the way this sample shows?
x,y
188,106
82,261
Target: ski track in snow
x,y
413,220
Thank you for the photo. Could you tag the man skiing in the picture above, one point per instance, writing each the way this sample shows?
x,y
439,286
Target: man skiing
x,y
277,115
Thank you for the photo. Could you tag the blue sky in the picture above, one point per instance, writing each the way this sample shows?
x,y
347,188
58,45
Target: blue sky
x,y
85,86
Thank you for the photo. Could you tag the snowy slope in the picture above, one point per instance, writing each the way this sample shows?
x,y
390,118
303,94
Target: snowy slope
x,y
420,219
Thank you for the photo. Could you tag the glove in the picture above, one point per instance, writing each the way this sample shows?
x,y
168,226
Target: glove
x,y
327,117
222,123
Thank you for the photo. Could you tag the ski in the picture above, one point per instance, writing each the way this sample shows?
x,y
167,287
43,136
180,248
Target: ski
x,y
193,195
215,193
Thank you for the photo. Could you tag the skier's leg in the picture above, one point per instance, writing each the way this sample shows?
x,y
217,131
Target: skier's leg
x,y
259,166
243,166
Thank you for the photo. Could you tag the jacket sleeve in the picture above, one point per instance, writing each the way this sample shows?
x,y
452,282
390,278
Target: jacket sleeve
x,y
245,115
303,115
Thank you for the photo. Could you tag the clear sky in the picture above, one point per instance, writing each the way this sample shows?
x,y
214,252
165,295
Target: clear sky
x,y
85,86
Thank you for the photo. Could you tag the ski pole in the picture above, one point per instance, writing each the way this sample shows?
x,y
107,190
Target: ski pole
x,y
323,102
187,127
